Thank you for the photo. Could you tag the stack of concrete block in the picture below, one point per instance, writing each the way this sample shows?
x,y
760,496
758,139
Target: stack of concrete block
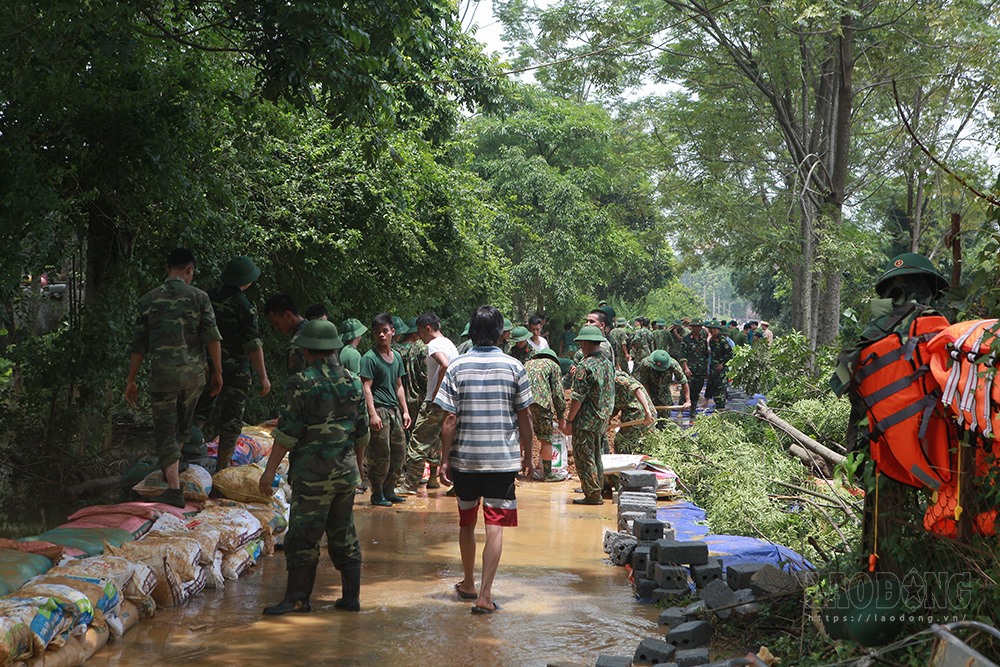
x,y
684,645
668,568
634,505
637,480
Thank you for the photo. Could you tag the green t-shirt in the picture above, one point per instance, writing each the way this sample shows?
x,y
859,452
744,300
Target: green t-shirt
x,y
383,376
350,359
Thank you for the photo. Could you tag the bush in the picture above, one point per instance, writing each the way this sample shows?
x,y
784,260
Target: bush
x,y
785,371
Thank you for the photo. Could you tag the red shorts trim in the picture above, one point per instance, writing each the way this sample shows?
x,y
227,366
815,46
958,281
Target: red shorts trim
x,y
495,489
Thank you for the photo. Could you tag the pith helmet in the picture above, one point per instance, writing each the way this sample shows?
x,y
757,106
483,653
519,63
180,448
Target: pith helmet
x,y
465,331
399,325
609,313
661,322
697,323
319,335
714,324
352,328
620,321
548,353
411,325
590,333
907,264
660,360
518,334
507,325
240,271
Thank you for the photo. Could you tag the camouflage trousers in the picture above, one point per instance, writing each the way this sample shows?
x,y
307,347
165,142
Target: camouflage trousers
x,y
425,443
386,452
717,387
323,485
587,446
228,416
695,385
629,439
172,415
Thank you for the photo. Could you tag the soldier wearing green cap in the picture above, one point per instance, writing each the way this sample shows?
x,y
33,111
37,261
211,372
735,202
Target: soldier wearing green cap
x,y
351,331
466,343
598,318
721,352
642,343
694,360
322,404
589,412
414,354
242,348
545,376
519,348
657,373
675,339
633,403
174,328
618,338
660,334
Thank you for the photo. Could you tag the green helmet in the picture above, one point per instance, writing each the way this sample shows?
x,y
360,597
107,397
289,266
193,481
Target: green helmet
x,y
714,324
661,322
548,353
697,323
518,334
351,328
411,325
677,323
240,271
590,333
660,360
609,313
399,325
318,335
908,264
620,321
601,303
507,325
465,331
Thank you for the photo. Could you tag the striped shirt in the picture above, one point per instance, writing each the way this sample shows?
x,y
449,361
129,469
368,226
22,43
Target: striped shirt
x,y
485,389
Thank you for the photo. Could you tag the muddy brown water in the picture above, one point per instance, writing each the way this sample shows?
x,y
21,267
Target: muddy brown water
x,y
561,600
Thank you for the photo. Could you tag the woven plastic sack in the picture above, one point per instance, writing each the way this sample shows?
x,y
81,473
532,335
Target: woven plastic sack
x,y
76,606
17,567
43,618
213,573
135,580
233,564
236,526
240,483
196,483
181,553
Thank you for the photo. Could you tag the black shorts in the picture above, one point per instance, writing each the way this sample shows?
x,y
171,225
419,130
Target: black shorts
x,y
497,491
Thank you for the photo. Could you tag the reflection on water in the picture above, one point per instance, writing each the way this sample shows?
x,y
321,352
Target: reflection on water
x,y
560,600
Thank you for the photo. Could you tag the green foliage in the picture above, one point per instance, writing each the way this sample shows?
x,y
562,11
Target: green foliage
x,y
823,418
786,371
674,301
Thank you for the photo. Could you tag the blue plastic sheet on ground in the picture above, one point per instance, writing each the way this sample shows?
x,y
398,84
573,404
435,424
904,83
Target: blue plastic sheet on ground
x,y
690,524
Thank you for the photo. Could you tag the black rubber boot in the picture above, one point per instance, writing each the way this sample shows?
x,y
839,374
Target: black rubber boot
x,y
297,592
350,579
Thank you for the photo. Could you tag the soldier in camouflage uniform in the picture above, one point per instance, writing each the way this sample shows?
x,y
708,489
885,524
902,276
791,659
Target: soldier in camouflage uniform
x,y
545,377
322,404
657,373
589,413
415,360
351,331
618,338
674,344
174,328
284,316
694,359
466,343
236,318
642,343
632,402
722,352
598,318
660,334
519,348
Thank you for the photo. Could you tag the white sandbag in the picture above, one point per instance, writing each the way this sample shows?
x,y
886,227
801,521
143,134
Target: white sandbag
x,y
236,526
213,573
196,483
135,580
181,553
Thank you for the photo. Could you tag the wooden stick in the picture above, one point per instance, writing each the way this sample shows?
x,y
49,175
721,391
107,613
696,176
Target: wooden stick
x,y
765,413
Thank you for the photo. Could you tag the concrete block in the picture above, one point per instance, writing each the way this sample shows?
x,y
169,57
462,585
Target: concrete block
x,y
644,589
610,537
613,661
719,599
631,480
770,582
695,610
738,575
651,569
640,558
669,552
670,594
671,576
653,651
627,519
703,574
672,617
638,497
693,657
621,553
749,609
647,511
692,634
647,529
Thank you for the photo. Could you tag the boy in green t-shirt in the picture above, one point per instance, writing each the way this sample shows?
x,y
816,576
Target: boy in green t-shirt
x,y
382,374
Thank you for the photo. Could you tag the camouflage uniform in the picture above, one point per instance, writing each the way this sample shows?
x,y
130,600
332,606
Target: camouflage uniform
x,y
323,403
674,344
174,324
593,387
465,346
695,351
415,380
522,354
658,383
721,354
618,338
296,362
237,321
642,345
660,339
387,446
628,440
606,351
545,377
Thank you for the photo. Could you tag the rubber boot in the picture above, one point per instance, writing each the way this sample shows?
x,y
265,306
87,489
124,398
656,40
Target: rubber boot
x,y
350,579
224,458
297,592
432,482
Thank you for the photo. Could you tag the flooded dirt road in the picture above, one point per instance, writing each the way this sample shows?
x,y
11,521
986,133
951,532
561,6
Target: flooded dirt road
x,y
560,600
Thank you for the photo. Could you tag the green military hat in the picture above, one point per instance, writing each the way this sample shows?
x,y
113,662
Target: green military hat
x,y
399,325
548,353
660,360
351,328
908,264
697,323
677,323
565,364
411,325
518,334
590,333
601,303
465,331
240,271
661,322
620,321
714,324
507,325
194,446
609,313
318,335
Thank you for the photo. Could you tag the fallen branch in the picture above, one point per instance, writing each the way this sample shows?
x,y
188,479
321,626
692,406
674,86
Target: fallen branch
x,y
765,413
89,485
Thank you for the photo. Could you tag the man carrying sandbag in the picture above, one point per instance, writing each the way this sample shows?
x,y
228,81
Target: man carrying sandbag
x,y
315,425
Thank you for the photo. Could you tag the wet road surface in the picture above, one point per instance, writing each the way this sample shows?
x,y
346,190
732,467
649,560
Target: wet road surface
x,y
561,600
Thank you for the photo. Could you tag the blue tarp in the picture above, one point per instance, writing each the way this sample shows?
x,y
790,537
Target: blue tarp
x,y
690,524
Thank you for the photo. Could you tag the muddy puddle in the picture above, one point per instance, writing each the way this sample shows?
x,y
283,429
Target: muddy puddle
x,y
560,600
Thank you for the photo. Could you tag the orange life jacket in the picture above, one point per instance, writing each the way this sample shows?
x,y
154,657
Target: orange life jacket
x,y
964,367
909,431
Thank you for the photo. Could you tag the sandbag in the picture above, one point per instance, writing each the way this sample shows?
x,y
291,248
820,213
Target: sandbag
x,y
71,653
233,564
89,540
250,448
236,525
95,639
206,535
54,552
196,483
43,618
135,580
129,616
240,483
213,573
17,567
76,606
181,553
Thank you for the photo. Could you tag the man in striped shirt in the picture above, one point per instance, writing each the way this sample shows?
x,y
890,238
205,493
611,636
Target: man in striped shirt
x,y
486,439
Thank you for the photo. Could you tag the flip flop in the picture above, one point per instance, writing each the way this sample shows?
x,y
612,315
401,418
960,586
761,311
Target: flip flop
x,y
462,594
476,609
